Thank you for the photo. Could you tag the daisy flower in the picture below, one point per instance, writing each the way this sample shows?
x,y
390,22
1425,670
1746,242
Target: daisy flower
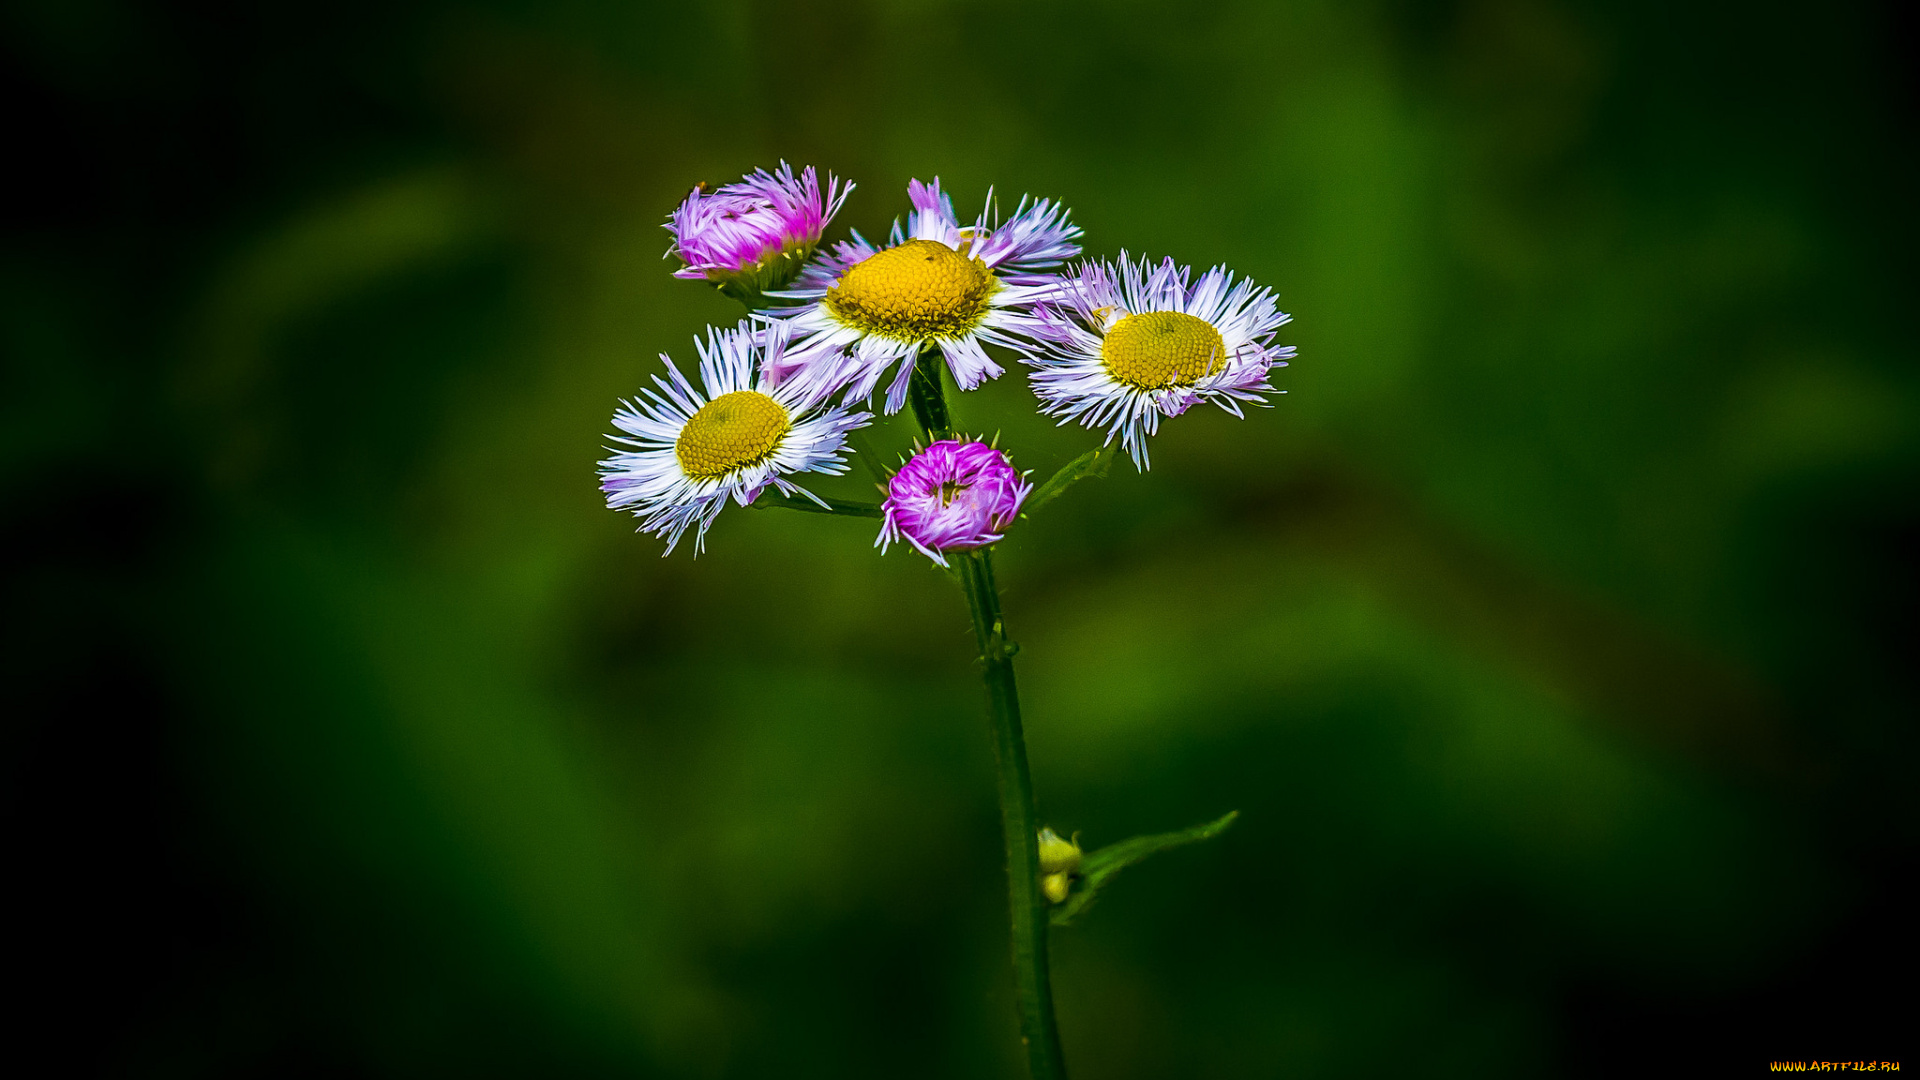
x,y
754,235
954,494
936,283
1125,345
686,451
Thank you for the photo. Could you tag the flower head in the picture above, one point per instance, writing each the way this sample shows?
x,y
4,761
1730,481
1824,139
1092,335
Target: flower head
x,y
954,494
937,282
1127,344
755,235
686,450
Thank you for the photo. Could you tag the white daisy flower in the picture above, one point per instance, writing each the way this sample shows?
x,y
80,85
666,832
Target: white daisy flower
x,y
936,283
685,452
1125,345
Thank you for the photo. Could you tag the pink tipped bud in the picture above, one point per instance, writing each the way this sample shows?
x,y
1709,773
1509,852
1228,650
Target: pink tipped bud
x,y
954,494
753,236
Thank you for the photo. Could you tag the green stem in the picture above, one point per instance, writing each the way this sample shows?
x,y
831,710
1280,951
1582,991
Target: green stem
x,y
1032,982
928,394
1020,826
870,459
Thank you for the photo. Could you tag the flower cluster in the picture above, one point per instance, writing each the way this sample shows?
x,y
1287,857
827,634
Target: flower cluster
x,y
1113,345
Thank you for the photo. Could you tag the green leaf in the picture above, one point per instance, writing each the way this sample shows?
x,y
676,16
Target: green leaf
x,y
845,507
1099,867
1094,463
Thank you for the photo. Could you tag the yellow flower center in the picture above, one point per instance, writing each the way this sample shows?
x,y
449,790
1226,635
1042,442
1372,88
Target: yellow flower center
x,y
1157,349
729,433
912,292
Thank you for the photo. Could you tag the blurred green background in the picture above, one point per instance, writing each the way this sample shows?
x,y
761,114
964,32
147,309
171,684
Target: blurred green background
x,y
1553,633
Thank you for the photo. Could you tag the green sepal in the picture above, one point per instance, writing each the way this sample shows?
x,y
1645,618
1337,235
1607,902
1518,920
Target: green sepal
x,y
1093,463
750,285
843,507
1099,867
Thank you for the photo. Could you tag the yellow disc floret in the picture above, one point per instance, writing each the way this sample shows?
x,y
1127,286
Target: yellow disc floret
x,y
729,433
914,291
1158,349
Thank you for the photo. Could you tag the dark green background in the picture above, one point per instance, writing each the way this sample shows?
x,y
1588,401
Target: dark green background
x,y
1553,633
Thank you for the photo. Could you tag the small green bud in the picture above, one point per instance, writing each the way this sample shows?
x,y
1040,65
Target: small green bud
x,y
1055,886
1058,856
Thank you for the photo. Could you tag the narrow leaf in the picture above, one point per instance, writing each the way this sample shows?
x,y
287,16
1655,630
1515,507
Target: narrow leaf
x,y
1099,867
844,507
1093,463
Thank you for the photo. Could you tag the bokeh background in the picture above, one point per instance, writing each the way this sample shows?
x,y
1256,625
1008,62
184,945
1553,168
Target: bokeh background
x,y
1553,633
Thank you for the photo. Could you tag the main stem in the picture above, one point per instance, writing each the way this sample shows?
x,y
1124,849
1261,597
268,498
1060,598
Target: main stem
x,y
1033,984
928,394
